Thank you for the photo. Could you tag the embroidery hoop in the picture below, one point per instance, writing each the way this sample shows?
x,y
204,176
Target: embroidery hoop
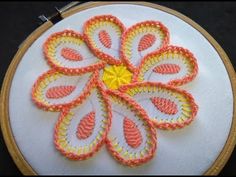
x,y
25,167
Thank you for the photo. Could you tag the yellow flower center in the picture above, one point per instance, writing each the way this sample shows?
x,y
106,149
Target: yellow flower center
x,y
115,76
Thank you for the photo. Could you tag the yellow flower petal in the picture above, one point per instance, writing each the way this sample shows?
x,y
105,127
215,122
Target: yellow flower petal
x,y
115,76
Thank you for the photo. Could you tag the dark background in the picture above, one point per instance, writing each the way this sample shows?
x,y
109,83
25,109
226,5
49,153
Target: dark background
x,y
19,19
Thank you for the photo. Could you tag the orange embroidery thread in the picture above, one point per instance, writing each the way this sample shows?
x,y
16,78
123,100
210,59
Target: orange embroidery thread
x,y
165,105
172,50
58,107
84,155
47,47
86,126
89,39
71,54
167,69
152,86
105,39
150,151
146,41
59,91
132,134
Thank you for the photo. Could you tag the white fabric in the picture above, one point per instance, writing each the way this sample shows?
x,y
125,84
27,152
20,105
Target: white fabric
x,y
191,150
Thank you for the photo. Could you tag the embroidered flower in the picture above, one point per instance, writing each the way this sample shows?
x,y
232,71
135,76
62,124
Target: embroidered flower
x,y
115,86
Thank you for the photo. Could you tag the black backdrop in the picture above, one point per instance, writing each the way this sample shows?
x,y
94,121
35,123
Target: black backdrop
x,y
19,19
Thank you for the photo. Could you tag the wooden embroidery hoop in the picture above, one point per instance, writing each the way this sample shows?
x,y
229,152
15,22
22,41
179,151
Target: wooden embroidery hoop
x,y
17,156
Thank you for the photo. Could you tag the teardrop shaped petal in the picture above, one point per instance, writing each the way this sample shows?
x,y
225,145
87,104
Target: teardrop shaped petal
x,y
132,134
60,91
86,126
164,105
171,65
167,107
132,138
80,132
71,54
66,52
102,34
167,68
142,39
54,91
105,39
146,41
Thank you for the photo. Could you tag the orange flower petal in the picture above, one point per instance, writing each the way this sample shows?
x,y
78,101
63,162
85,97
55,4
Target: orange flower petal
x,y
103,34
167,107
141,39
67,53
132,134
71,54
146,41
86,126
167,69
60,91
105,39
54,91
171,65
93,123
136,142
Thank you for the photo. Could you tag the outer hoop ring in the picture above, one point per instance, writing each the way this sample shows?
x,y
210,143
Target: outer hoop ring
x,y
17,156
